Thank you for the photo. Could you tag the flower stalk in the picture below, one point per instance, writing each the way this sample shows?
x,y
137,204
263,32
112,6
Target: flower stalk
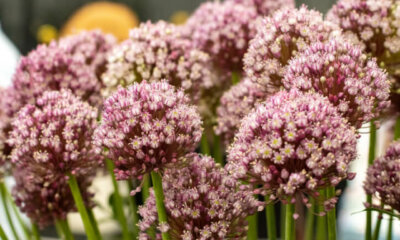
x,y
289,222
371,157
159,194
64,229
253,226
3,193
331,215
271,224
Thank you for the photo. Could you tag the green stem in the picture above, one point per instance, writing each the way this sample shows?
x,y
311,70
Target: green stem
x,y
235,78
271,224
331,215
218,154
3,234
397,129
371,157
310,220
63,227
204,147
93,221
118,204
18,215
377,227
134,209
321,220
289,222
390,229
76,193
35,232
283,214
252,231
3,193
159,194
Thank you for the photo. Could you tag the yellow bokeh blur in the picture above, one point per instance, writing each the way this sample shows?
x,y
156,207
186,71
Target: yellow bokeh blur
x,y
179,17
46,33
113,18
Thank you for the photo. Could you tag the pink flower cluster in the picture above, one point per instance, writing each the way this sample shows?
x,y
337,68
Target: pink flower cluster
x,y
202,202
235,104
47,199
294,143
341,72
53,138
146,127
90,46
159,51
267,7
50,68
279,38
383,179
223,29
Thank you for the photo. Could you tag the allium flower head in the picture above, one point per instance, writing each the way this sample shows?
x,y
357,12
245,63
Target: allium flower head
x,y
50,68
236,104
383,179
341,72
202,202
45,200
291,144
279,38
158,51
267,7
54,137
90,46
223,29
146,127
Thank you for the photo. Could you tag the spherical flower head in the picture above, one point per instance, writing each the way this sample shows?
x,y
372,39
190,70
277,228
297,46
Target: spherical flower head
x,y
51,68
45,200
90,46
202,202
279,38
157,51
267,7
383,179
54,137
341,72
235,104
223,29
146,127
294,143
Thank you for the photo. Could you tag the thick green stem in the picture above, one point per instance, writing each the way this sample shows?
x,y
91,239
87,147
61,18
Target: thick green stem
x,y
93,221
253,226
331,215
235,78
390,229
134,209
271,218
76,193
3,234
321,220
377,227
3,193
159,194
310,221
65,231
35,232
371,157
289,222
218,154
204,147
118,204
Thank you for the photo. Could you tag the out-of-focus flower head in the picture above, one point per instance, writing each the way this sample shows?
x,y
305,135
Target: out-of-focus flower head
x,y
158,51
54,137
293,144
341,72
223,29
383,179
267,7
235,104
279,38
202,202
147,127
45,200
90,46
51,68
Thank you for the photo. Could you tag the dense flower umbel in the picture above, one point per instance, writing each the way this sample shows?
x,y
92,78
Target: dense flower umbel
x,y
45,200
383,178
202,202
50,68
291,144
146,127
54,137
91,46
223,29
267,7
341,72
236,104
279,38
158,51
